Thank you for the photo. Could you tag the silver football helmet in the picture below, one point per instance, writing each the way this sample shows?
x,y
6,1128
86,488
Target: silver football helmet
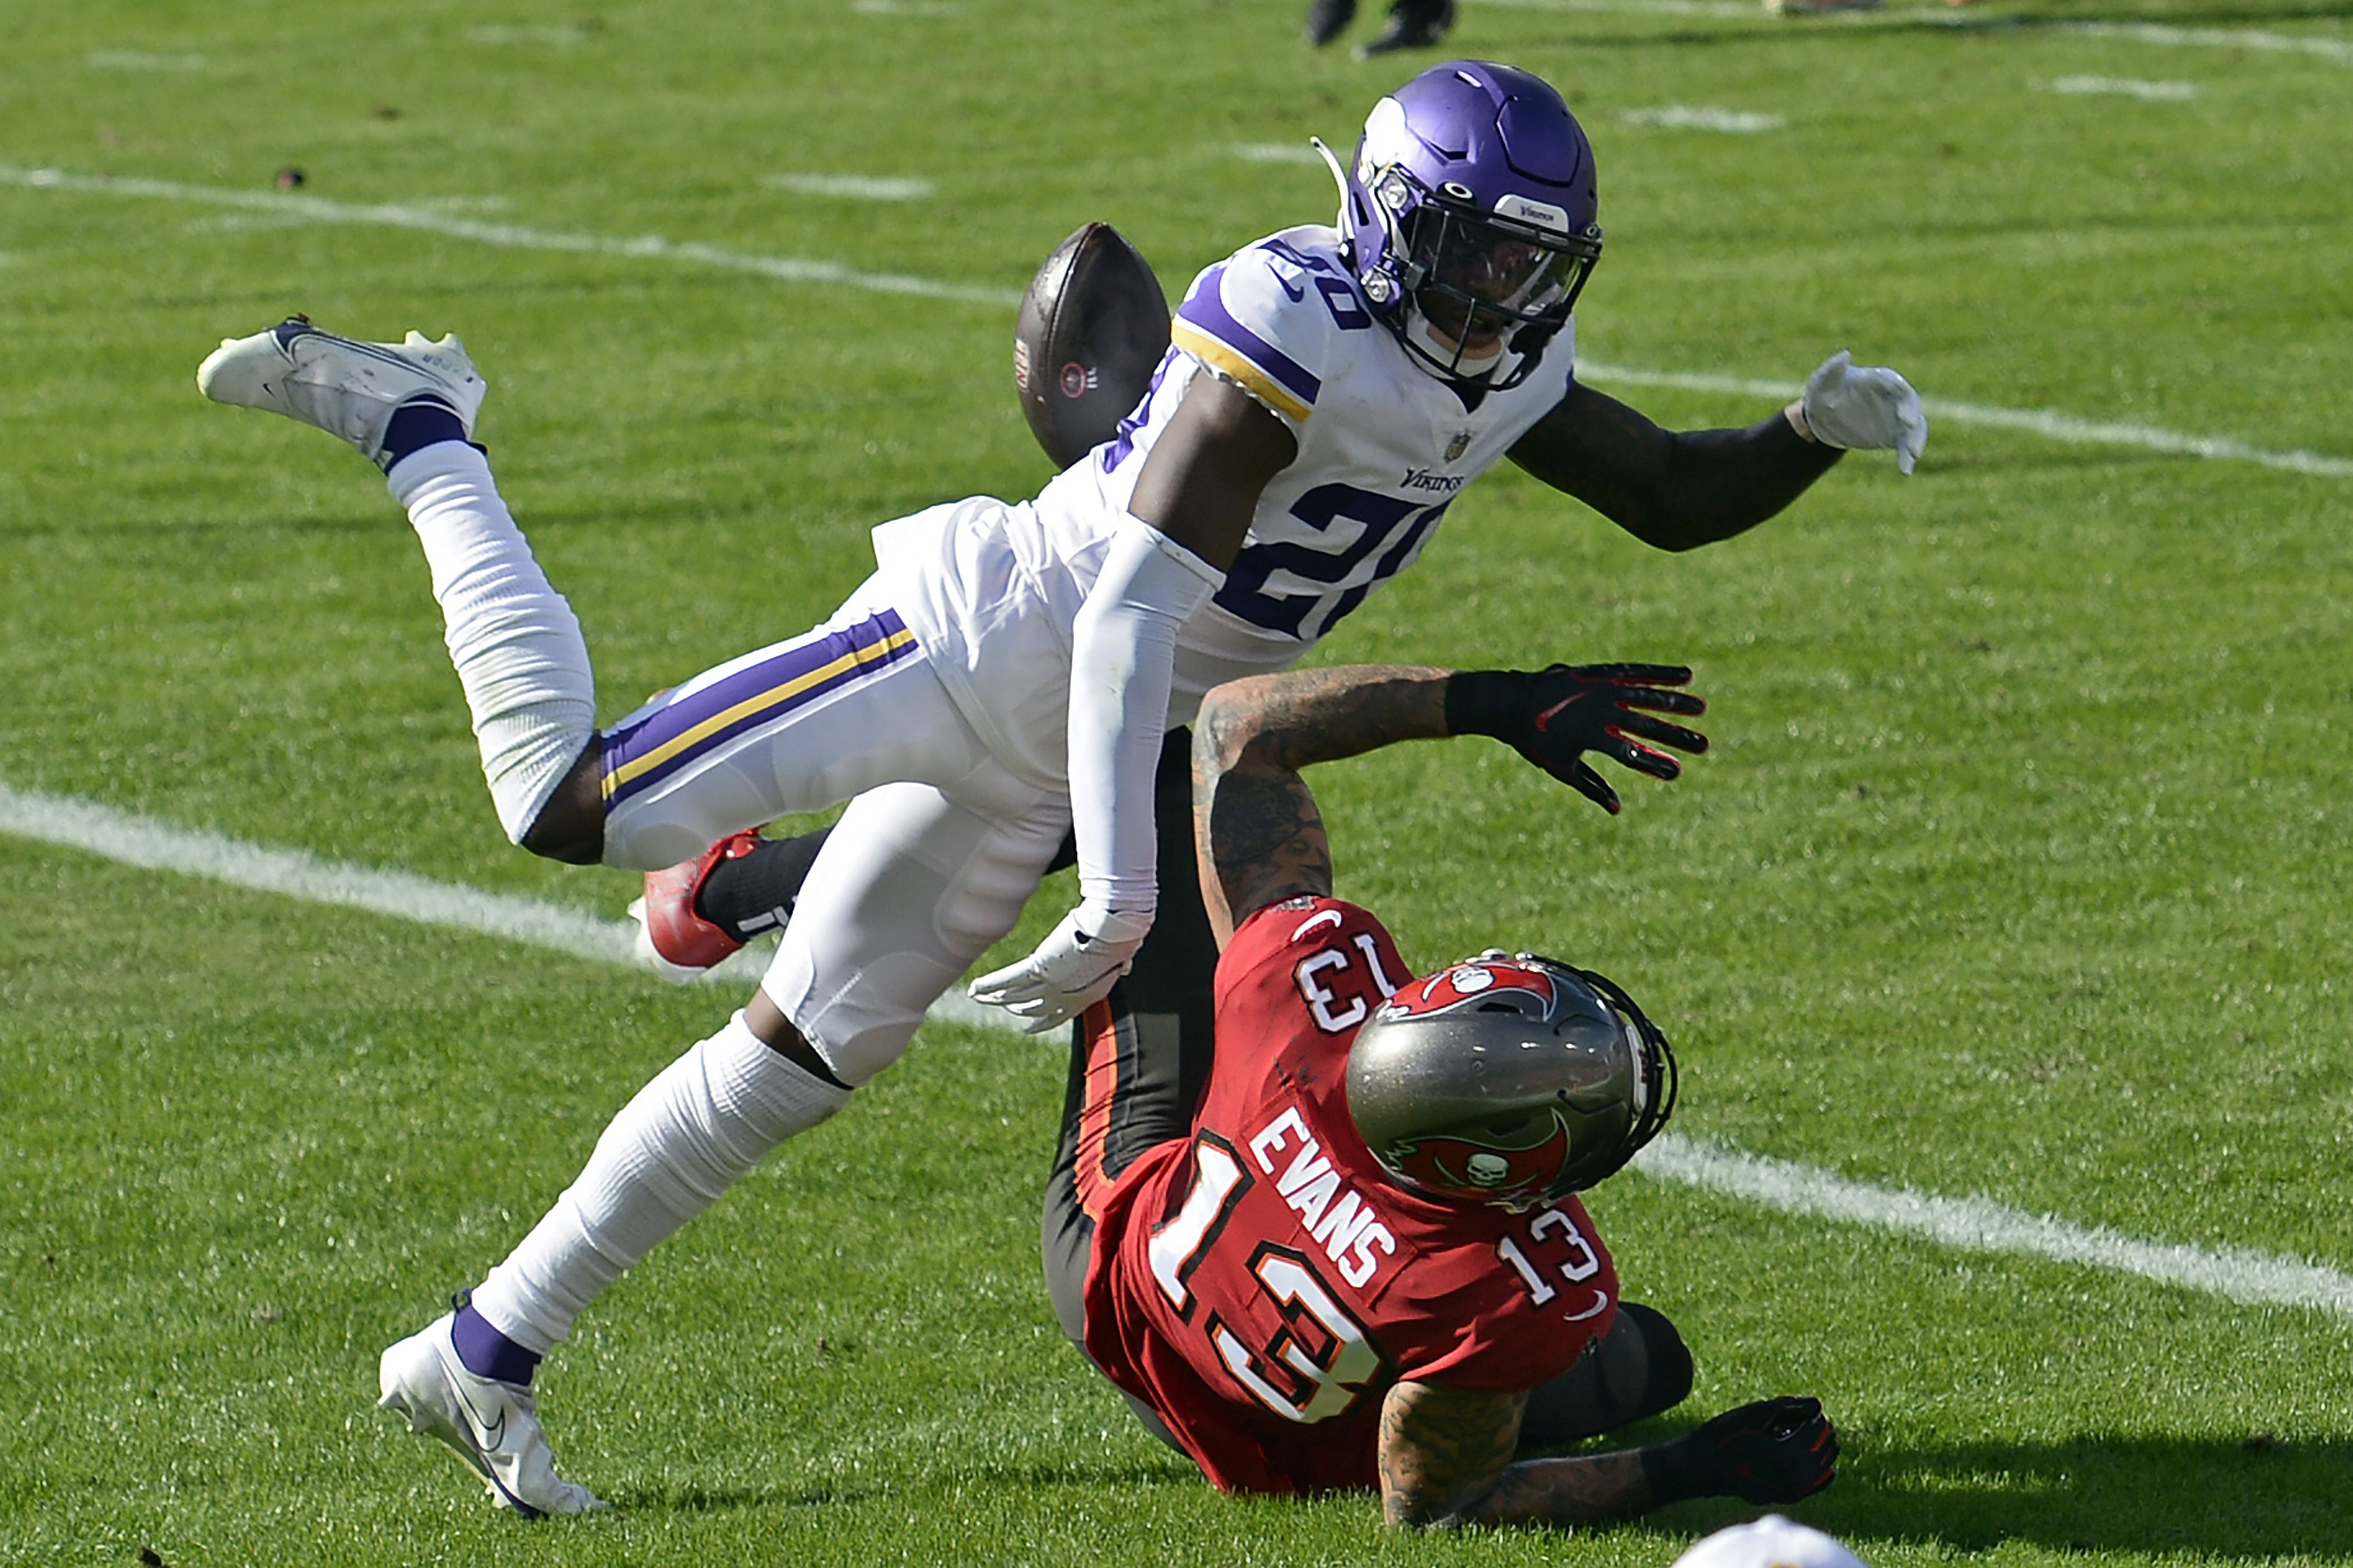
x,y
1509,1079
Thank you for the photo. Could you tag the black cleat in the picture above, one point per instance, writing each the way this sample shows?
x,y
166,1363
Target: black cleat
x,y
1327,20
1413,24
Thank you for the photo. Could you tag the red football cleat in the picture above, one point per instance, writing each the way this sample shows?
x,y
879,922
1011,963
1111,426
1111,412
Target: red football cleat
x,y
679,942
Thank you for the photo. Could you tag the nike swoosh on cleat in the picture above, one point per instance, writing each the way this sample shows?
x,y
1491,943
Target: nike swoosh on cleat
x,y
488,1434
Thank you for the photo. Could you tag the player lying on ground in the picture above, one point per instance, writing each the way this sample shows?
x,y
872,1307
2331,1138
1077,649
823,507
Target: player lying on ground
x,y
1306,1286
1329,393
1345,1251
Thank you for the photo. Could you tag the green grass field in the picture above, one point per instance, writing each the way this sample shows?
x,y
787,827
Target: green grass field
x,y
2017,873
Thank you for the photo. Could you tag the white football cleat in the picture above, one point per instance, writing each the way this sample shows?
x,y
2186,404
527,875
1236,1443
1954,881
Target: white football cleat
x,y
494,1427
346,387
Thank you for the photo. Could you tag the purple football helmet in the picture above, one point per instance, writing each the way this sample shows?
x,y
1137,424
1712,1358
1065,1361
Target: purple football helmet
x,y
1470,212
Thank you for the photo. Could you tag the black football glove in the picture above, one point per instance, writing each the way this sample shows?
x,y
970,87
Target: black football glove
x,y
1774,1451
1552,717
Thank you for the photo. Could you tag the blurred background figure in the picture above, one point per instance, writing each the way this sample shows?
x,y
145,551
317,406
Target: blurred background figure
x,y
1771,1542
1412,24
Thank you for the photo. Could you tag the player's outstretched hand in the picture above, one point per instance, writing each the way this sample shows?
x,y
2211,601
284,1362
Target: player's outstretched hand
x,y
1553,716
1774,1451
1866,409
1071,970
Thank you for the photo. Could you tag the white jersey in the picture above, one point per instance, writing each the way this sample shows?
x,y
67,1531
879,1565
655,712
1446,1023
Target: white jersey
x,y
990,591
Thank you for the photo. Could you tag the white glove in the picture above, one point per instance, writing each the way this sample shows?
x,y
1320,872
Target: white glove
x,y
1867,409
1073,969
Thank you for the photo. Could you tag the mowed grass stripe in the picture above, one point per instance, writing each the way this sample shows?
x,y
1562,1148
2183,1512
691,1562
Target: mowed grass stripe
x,y
1968,1225
395,215
799,270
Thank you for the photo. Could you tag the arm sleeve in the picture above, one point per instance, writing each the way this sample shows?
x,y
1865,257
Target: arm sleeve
x,y
1124,643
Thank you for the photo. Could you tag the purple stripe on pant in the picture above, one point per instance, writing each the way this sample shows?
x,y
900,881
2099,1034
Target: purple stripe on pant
x,y
675,736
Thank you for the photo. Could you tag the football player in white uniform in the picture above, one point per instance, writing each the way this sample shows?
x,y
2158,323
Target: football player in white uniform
x,y
1008,671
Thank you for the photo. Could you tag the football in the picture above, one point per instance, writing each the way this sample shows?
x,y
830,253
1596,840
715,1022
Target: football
x,y
1094,326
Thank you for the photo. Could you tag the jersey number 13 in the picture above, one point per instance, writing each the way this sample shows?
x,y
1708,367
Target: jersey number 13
x,y
1311,1361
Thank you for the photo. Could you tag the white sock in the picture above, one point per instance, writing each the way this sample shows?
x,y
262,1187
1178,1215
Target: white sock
x,y
703,1121
515,642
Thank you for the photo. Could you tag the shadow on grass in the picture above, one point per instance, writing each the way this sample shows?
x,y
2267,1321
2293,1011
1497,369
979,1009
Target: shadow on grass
x,y
2257,1498
2254,1497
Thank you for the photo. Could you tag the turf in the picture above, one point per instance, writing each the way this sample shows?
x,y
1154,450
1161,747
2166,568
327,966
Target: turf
x,y
2016,869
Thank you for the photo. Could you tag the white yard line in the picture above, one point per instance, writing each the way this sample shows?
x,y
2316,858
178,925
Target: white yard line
x,y
2336,49
2126,86
1980,1224
642,248
1729,10
1276,152
1969,1225
2039,422
2256,40
140,61
193,852
563,33
795,269
853,187
1696,117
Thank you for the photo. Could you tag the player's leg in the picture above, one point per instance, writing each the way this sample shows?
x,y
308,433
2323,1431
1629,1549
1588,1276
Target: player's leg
x,y
850,705
909,891
1327,20
409,408
911,887
683,1140
697,913
1639,1368
1141,1058
792,727
1412,24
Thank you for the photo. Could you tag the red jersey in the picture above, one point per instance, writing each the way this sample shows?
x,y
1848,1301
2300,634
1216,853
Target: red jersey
x,y
1262,1283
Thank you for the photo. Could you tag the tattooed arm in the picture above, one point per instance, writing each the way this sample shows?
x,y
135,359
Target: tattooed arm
x,y
1671,488
1445,1461
1259,836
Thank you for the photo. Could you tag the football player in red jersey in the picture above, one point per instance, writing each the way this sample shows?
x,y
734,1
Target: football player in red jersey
x,y
1290,1309
1346,1251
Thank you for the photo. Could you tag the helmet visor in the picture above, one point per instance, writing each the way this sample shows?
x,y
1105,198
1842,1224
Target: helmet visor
x,y
1479,277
